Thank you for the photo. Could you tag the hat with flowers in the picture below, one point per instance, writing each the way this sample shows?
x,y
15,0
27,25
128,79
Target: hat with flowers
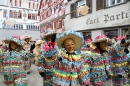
x,y
15,39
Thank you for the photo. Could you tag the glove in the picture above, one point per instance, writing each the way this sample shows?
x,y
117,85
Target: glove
x,y
42,74
53,37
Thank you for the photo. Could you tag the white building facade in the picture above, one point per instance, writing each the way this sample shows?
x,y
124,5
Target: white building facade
x,y
112,16
25,12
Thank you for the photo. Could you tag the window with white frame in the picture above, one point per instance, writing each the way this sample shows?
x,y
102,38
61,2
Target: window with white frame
x,y
110,3
4,2
78,4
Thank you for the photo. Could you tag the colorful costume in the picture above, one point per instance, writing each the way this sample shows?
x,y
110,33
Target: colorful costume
x,y
99,62
13,62
36,50
65,69
119,64
1,43
28,54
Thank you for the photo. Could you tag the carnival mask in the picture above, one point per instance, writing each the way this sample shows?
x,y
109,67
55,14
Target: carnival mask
x,y
13,45
69,45
104,45
27,40
48,38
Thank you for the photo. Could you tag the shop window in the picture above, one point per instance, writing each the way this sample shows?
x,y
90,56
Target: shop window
x,y
4,13
11,15
110,3
15,14
87,35
19,15
111,33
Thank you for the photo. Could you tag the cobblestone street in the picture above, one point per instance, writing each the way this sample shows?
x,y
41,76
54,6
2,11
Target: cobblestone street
x,y
34,79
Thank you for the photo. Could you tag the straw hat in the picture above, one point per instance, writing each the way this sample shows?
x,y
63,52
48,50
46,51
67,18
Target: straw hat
x,y
77,37
48,32
26,36
39,42
10,21
101,38
83,10
15,39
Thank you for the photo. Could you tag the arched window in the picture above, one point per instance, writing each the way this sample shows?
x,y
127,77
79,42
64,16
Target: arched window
x,y
20,3
37,6
10,1
33,5
29,4
15,3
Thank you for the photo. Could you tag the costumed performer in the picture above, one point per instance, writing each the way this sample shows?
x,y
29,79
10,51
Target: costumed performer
x,y
67,65
12,59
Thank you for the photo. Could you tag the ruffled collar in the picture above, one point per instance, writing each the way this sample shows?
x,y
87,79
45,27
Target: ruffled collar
x,y
75,59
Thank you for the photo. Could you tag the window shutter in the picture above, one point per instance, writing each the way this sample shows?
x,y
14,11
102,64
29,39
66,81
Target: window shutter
x,y
60,23
54,25
72,8
99,4
89,4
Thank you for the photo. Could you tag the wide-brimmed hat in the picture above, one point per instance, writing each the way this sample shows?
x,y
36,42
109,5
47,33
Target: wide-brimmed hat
x,y
39,42
48,32
26,36
76,36
101,38
15,39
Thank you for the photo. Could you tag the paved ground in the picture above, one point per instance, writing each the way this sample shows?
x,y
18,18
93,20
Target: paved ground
x,y
34,79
